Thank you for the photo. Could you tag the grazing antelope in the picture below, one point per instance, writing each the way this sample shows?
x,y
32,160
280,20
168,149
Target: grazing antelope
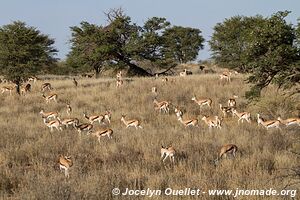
x,y
202,102
225,110
7,89
46,86
119,83
226,75
65,162
242,116
183,74
167,152
133,122
188,122
75,82
225,150
232,102
49,115
212,121
178,112
268,123
69,109
53,124
94,118
52,97
70,121
162,106
103,133
289,121
83,127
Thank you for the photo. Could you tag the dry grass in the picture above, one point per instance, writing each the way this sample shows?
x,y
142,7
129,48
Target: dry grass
x,y
29,151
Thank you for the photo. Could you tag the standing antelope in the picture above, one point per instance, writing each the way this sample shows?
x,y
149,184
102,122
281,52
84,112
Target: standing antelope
x,y
232,102
189,122
70,121
7,89
183,74
69,109
119,83
49,115
52,97
268,124
167,152
46,86
119,75
133,122
53,124
202,102
154,90
25,89
242,116
94,118
162,106
212,121
226,76
32,78
102,133
225,110
289,121
83,127
65,162
227,149
178,112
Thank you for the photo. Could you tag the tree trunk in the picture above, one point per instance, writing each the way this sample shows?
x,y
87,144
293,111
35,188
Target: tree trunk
x,y
18,86
97,71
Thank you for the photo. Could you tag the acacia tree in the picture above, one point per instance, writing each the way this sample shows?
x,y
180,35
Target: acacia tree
x,y
263,47
23,51
123,43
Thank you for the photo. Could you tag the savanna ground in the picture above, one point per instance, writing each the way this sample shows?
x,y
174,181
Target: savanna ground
x,y
29,151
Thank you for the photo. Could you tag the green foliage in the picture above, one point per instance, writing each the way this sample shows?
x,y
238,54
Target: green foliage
x,y
23,51
123,43
263,47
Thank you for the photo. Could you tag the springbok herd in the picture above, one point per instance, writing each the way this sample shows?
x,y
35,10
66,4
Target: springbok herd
x,y
52,119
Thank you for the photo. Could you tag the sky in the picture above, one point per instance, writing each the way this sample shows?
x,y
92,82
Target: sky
x,y
55,17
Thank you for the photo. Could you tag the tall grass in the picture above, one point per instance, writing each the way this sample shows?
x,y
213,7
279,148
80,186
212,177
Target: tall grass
x,y
29,151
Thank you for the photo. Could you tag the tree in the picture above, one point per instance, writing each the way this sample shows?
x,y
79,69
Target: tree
x,y
263,47
123,43
23,51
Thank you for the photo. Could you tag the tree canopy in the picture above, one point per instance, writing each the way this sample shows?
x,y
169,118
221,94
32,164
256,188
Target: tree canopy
x,y
264,47
23,51
123,43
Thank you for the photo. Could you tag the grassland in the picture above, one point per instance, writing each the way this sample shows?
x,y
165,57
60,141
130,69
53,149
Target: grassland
x,y
29,151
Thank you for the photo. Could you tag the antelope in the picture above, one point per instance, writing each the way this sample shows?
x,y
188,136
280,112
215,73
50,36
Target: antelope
x,y
25,89
178,112
165,79
290,121
232,102
268,124
225,110
226,76
202,102
69,109
154,90
53,124
183,74
162,106
75,82
133,122
188,122
242,116
65,162
119,75
83,127
46,86
94,118
52,97
227,149
103,133
7,89
32,78
107,116
119,83
70,121
212,121
167,152
49,115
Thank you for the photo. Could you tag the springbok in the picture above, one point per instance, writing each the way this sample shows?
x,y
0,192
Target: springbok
x,y
65,162
102,133
83,127
290,121
226,76
188,122
46,86
48,115
51,97
202,102
70,121
213,121
183,74
178,112
7,89
268,123
94,118
225,150
133,122
53,124
167,152
25,89
154,90
232,101
225,110
69,109
32,78
242,116
162,106
119,83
